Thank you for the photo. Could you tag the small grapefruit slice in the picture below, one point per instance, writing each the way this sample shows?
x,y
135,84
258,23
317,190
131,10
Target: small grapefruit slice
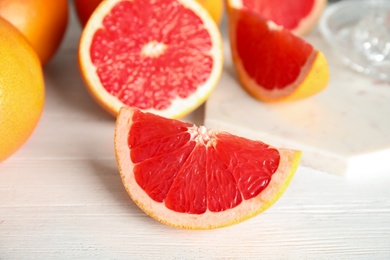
x,y
164,56
193,178
273,64
300,17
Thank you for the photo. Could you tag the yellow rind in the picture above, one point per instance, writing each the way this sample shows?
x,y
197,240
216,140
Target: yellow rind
x,y
215,8
315,81
22,89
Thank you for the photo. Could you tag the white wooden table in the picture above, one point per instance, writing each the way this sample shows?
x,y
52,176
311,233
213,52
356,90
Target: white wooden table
x,y
61,197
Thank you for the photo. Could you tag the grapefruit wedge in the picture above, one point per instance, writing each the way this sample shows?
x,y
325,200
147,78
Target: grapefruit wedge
x,y
163,56
273,64
298,16
195,178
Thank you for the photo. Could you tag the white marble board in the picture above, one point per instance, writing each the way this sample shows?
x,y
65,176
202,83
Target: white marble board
x,y
344,130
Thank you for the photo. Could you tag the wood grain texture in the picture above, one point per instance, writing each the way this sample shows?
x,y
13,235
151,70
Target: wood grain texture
x,y
61,197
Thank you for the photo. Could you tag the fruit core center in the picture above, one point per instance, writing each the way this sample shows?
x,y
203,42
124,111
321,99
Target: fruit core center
x,y
153,49
273,26
202,135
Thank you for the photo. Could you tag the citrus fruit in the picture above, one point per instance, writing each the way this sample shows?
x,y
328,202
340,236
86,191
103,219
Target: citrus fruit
x,y
214,7
21,89
84,9
273,64
142,59
43,23
196,178
298,16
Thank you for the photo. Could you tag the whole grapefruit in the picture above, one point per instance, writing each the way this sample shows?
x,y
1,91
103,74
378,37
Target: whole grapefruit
x,y
21,89
43,23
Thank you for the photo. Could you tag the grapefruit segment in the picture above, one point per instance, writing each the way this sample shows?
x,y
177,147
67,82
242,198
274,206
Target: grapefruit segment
x,y
211,179
272,64
300,17
144,60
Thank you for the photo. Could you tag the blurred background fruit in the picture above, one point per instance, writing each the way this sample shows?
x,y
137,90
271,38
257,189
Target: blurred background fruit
x,y
84,9
22,90
214,7
43,22
298,16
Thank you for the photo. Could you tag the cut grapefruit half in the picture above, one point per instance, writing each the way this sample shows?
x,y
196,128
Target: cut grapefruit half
x,y
299,16
194,178
273,64
162,56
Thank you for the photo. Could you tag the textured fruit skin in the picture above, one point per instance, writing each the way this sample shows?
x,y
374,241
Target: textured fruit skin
x,y
21,89
85,8
42,22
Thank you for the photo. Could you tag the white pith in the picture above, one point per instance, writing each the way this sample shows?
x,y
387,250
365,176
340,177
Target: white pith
x,y
273,26
153,49
235,3
201,135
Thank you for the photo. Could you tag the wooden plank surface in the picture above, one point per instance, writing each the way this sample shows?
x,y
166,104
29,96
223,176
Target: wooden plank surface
x,y
61,197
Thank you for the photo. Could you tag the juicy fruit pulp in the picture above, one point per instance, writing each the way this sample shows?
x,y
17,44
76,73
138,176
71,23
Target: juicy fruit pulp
x,y
160,62
200,169
190,177
144,60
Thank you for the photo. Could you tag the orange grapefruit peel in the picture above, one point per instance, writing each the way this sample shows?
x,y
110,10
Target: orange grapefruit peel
x,y
22,89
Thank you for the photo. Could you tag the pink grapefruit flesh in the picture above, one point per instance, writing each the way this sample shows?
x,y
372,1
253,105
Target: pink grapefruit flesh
x,y
165,59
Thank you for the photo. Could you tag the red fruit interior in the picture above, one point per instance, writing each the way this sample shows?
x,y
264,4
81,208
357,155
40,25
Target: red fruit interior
x,y
147,59
84,9
195,174
273,57
282,12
